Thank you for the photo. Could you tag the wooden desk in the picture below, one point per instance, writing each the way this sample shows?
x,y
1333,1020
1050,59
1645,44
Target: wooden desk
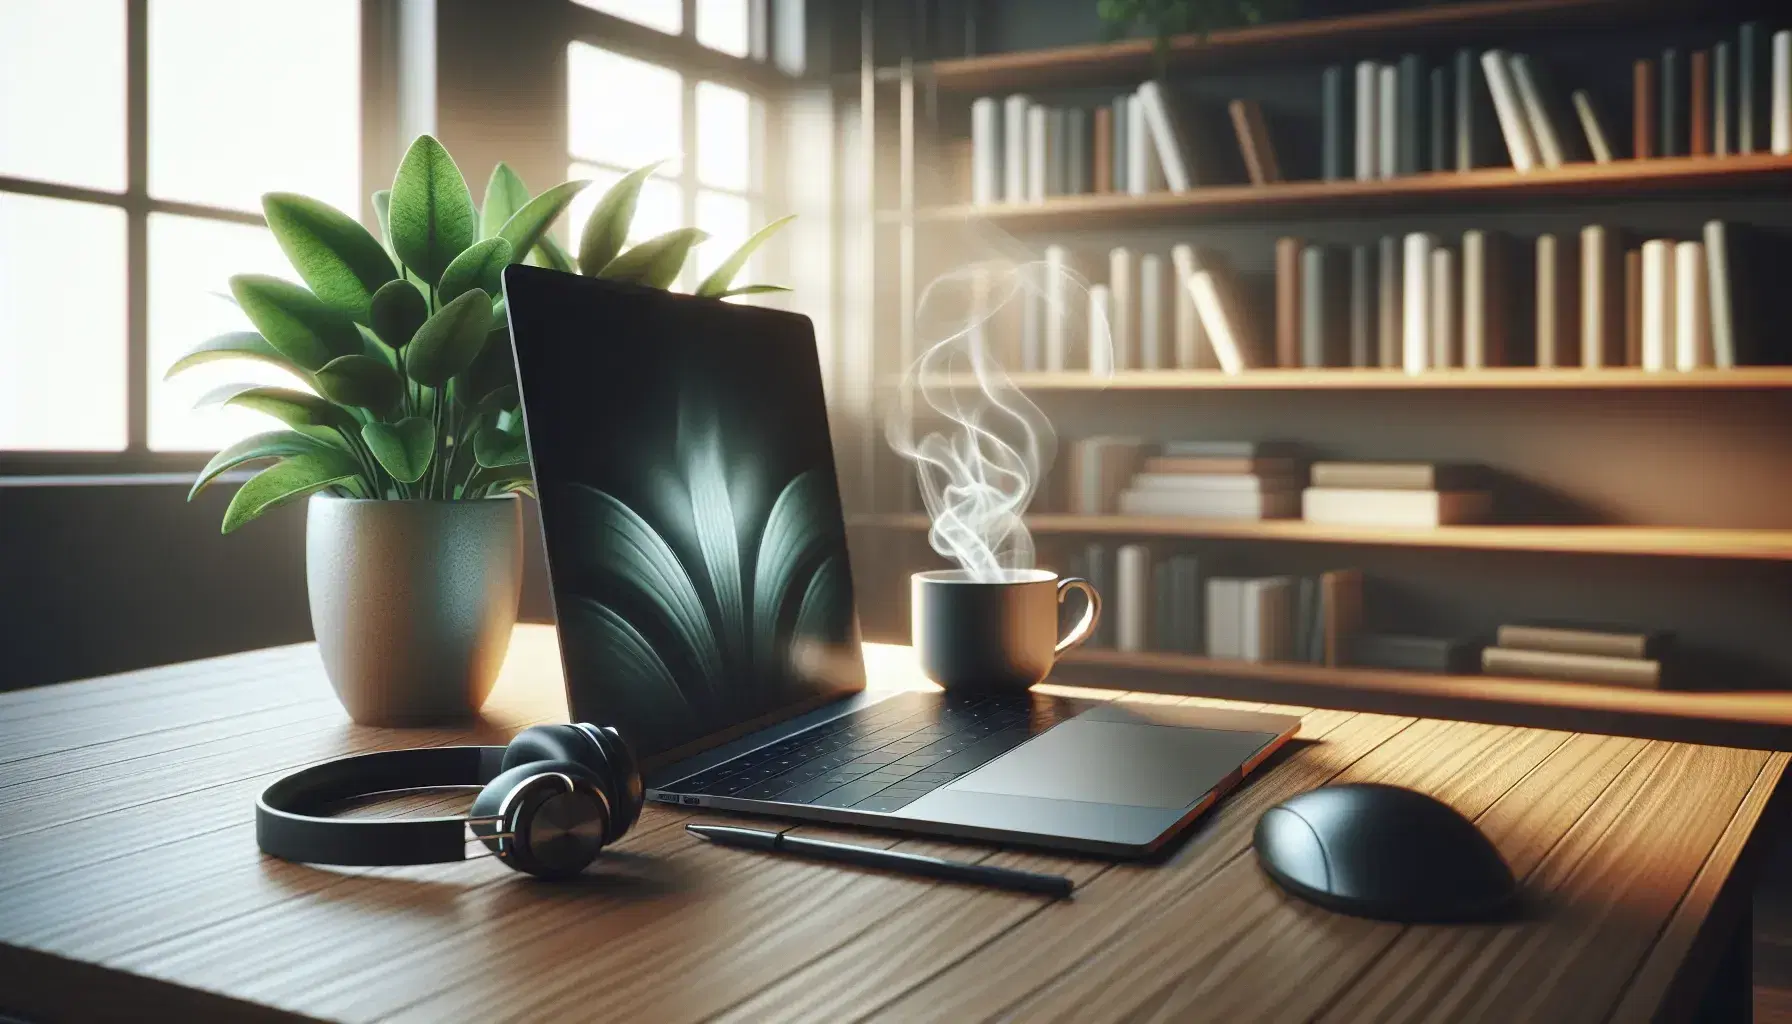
x,y
131,889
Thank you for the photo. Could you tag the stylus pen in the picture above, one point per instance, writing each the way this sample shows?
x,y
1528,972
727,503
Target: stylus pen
x,y
871,857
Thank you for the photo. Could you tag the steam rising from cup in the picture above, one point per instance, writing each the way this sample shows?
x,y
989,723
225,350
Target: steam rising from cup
x,y
980,446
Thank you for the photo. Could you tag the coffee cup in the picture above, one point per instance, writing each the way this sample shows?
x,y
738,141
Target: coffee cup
x,y
994,634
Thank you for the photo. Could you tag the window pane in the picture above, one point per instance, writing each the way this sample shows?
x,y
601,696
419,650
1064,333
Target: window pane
x,y
622,112
725,120
246,98
190,261
722,25
665,15
658,210
62,91
727,219
62,325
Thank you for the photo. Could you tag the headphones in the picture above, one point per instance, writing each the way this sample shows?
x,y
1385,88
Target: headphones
x,y
552,800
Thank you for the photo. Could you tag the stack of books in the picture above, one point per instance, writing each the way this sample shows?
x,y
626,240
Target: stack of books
x,y
1283,618
1444,656
1406,494
1216,480
1097,471
1622,657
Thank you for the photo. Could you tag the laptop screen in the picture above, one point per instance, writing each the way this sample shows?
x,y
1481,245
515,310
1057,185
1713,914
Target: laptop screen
x,y
691,512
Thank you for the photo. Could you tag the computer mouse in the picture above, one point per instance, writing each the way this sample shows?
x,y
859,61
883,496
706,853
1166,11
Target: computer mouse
x,y
1384,852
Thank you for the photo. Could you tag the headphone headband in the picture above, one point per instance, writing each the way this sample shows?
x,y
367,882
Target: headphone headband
x,y
288,825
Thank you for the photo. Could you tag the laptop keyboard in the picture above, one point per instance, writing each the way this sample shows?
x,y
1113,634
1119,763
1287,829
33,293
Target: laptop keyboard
x,y
885,756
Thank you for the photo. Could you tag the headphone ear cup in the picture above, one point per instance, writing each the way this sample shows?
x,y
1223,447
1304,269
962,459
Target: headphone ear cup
x,y
627,790
582,818
550,743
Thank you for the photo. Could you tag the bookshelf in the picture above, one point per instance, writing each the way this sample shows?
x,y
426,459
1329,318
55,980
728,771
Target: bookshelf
x,y
1749,378
1643,541
1453,190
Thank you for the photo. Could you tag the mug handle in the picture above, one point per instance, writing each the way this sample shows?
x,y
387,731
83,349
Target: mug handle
x,y
1091,614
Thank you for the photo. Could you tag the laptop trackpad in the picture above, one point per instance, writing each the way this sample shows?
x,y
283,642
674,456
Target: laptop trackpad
x,y
1132,763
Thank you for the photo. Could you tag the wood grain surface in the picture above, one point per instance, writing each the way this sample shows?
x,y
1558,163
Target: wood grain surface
x,y
131,889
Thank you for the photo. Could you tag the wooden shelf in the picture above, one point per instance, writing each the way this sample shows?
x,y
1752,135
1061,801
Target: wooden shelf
x,y
1453,189
1749,378
1753,718
1484,22
1658,541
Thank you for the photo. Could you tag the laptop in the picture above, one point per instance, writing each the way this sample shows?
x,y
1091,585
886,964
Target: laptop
x,y
699,565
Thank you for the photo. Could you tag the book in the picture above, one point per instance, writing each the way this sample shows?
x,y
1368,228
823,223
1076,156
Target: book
x,y
1101,152
1031,302
1438,136
1308,622
1397,476
1485,299
1341,612
1210,504
1098,332
1163,607
1668,106
1167,136
1548,141
1227,331
1607,643
1698,104
1254,465
1266,619
1722,112
1341,506
1474,112
1079,142
1097,470
1389,311
1225,611
1192,350
1576,668
1445,350
1038,152
1368,108
1415,653
1121,116
1014,148
1123,309
1780,104
1633,307
1151,312
1188,604
1322,341
1288,296
1416,332
1098,569
1749,68
1387,121
1132,604
1057,151
986,151
1058,314
1659,320
1598,143
1692,308
1138,147
1509,110
1558,318
1253,142
1601,298
1726,353
1362,306
1331,123
1642,106
1229,449
1228,483
1409,121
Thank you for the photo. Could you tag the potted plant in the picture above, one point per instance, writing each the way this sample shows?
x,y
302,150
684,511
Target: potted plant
x,y
408,440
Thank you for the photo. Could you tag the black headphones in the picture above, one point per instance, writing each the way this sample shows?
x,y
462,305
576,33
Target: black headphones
x,y
553,799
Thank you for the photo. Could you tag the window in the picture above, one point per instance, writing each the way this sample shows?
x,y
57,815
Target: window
x,y
109,271
710,136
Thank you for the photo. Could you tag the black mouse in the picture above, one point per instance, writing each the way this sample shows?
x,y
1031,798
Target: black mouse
x,y
1384,852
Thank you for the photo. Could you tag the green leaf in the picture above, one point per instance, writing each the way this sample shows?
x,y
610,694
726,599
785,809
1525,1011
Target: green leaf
x,y
293,408
505,194
235,345
432,212
716,284
550,254
270,445
404,448
398,310
294,321
288,480
479,267
493,370
498,480
449,341
752,289
360,380
529,225
495,449
657,261
607,228
333,253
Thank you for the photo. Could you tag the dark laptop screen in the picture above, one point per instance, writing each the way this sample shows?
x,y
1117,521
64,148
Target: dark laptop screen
x,y
692,515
